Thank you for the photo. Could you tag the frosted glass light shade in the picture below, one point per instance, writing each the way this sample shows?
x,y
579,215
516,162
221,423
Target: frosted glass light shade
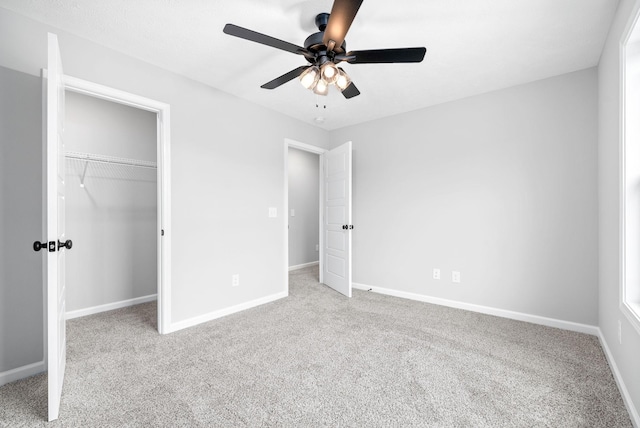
x,y
322,88
343,80
309,78
329,72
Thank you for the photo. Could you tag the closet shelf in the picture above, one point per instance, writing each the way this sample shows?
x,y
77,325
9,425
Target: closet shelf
x,y
90,157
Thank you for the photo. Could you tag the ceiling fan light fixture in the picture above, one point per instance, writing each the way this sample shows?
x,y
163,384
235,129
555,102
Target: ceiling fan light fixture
x,y
343,80
321,88
329,72
309,78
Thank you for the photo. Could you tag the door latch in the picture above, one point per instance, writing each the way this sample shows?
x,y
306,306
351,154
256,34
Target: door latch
x,y
37,246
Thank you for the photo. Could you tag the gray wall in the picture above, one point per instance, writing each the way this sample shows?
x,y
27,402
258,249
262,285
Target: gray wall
x,y
225,174
625,354
21,304
501,187
112,220
304,198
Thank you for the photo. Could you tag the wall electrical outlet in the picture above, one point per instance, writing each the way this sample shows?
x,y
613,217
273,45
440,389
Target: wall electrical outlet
x,y
317,247
455,276
293,212
235,280
436,274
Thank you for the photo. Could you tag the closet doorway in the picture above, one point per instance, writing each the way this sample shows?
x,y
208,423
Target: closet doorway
x,y
117,203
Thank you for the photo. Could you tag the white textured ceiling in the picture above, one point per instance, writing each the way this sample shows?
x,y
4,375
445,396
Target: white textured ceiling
x,y
473,46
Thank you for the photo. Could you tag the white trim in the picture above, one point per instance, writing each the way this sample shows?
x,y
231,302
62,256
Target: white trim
x,y
626,397
164,180
303,146
180,325
519,316
110,306
321,217
627,308
21,372
114,95
303,265
319,151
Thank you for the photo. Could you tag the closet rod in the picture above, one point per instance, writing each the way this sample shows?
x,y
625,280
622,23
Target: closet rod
x,y
110,160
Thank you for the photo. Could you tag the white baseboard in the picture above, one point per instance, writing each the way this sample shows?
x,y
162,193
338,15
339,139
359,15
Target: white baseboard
x,y
21,372
304,265
519,316
110,306
226,311
633,412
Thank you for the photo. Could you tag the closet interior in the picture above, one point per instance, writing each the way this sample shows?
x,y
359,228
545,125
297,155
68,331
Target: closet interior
x,y
111,205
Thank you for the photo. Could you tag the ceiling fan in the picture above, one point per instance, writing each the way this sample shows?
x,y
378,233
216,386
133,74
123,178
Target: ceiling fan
x,y
326,49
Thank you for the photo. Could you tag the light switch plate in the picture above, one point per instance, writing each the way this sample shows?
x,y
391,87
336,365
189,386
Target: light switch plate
x,y
273,212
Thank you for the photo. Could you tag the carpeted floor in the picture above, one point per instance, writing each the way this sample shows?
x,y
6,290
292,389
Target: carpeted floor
x,y
317,358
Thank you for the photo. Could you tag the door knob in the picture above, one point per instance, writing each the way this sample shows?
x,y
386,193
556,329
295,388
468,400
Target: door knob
x,y
68,244
37,246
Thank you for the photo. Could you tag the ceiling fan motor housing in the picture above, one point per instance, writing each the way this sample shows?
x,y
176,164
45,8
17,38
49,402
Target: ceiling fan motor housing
x,y
314,42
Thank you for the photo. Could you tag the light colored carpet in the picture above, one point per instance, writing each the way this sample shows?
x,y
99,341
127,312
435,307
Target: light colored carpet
x,y
317,358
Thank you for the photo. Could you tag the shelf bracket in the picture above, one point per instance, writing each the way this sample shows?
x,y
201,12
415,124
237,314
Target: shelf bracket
x,y
84,173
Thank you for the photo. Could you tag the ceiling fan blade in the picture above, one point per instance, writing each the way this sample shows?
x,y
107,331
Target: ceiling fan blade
x,y
285,78
377,56
342,14
351,91
243,33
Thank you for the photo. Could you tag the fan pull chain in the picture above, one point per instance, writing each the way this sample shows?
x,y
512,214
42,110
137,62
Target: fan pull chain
x,y
324,106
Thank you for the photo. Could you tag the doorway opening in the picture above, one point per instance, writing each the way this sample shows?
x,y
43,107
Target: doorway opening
x,y
110,175
334,217
125,171
304,209
302,240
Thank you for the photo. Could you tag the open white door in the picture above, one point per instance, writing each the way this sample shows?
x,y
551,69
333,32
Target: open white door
x,y
56,335
337,219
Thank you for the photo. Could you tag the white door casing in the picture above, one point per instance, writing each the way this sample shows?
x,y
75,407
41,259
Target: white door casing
x,y
337,219
55,277
164,181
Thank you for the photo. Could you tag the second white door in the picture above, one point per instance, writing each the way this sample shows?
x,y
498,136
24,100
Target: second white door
x,y
337,219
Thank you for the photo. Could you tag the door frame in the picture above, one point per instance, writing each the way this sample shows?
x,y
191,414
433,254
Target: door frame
x,y
289,143
163,135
